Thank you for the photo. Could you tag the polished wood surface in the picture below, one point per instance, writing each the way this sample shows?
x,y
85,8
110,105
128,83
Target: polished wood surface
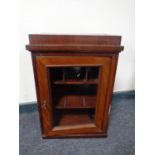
x,y
74,48
74,107
74,39
60,43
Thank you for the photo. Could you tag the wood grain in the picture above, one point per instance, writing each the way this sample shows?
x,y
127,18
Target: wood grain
x,y
88,112
74,39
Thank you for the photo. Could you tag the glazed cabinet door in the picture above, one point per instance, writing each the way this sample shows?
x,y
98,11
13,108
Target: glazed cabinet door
x,y
72,94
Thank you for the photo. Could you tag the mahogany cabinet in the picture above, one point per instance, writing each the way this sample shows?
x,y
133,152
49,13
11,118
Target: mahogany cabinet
x,y
74,76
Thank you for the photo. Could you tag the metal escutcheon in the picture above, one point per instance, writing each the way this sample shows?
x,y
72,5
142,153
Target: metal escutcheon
x,y
43,104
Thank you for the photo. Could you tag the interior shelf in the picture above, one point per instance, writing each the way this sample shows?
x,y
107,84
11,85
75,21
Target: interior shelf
x,y
78,82
74,75
75,117
75,102
74,95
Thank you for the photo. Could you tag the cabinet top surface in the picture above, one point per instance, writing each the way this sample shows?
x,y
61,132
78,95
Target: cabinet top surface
x,y
74,43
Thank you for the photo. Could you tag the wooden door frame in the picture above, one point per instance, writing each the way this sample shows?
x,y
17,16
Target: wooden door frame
x,y
106,64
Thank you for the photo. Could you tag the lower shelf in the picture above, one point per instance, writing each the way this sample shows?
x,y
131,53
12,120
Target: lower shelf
x,y
74,101
72,118
73,96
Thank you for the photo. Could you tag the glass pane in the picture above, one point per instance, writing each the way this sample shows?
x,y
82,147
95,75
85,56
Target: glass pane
x,y
74,95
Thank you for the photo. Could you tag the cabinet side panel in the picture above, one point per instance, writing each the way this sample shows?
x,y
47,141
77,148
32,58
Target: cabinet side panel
x,y
33,56
110,91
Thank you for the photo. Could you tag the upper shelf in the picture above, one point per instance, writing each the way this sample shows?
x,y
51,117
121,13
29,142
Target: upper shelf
x,y
74,43
76,82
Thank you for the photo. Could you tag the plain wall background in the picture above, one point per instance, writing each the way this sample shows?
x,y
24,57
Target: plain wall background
x,y
77,17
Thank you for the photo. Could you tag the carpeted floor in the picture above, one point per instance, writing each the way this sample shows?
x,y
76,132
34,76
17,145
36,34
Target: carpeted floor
x,y
120,140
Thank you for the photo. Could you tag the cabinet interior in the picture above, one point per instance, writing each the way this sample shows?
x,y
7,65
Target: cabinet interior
x,y
73,94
